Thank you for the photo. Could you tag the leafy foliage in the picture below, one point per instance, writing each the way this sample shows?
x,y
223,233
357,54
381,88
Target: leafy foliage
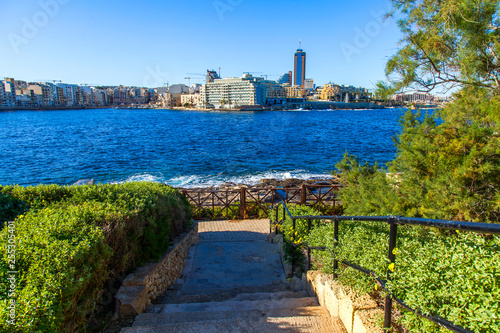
x,y
294,237
455,276
447,43
72,238
447,166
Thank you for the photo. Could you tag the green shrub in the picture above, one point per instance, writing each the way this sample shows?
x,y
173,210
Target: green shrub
x,y
61,257
294,237
73,238
455,276
10,207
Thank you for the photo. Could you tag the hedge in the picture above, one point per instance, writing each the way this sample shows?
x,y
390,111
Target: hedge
x,y
452,275
70,240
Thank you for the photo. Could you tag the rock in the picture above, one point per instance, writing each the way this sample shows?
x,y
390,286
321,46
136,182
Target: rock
x,y
85,182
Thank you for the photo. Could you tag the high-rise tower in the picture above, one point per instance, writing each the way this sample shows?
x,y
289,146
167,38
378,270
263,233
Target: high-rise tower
x,y
300,67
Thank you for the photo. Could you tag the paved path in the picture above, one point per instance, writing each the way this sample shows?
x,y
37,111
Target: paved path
x,y
233,281
228,231
232,254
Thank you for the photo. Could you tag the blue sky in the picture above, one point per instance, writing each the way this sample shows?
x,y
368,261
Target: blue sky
x,y
149,43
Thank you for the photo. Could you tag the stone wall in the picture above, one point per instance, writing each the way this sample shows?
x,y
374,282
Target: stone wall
x,y
358,314
148,282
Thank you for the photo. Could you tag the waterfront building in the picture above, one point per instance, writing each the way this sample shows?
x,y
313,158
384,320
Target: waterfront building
x,y
195,88
168,100
70,93
286,78
178,89
212,76
8,92
300,67
40,94
85,96
335,92
240,91
309,84
274,90
190,99
110,92
99,97
417,97
121,96
316,93
3,97
295,92
161,90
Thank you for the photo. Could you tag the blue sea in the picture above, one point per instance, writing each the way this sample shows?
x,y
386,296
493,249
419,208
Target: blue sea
x,y
187,148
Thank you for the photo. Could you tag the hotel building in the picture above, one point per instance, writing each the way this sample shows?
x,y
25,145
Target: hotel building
x,y
241,91
300,68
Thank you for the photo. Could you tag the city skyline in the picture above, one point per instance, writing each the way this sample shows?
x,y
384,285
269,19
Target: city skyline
x,y
148,45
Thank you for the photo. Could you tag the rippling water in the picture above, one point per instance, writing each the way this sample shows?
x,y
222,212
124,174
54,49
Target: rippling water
x,y
187,148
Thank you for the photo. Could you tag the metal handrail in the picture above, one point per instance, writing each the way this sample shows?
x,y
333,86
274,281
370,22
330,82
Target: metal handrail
x,y
477,227
393,221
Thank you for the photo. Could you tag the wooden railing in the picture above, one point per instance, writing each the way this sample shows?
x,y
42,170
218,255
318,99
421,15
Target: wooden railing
x,y
252,202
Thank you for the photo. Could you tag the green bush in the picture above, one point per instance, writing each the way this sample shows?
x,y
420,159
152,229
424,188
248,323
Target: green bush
x,y
10,207
294,237
73,238
455,276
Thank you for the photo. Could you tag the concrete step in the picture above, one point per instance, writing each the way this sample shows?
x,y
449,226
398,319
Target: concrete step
x,y
172,298
268,296
179,295
231,305
313,324
151,319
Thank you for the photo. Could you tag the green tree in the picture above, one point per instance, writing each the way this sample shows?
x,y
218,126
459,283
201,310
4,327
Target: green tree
x,y
447,44
383,90
448,162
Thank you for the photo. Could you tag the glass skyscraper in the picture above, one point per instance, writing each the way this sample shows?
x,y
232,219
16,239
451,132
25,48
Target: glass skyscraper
x,y
300,67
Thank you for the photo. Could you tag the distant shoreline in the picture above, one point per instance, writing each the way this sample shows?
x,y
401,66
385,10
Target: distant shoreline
x,y
333,107
53,108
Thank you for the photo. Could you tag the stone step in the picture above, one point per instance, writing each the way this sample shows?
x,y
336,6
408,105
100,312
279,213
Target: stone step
x,y
151,319
180,294
231,305
313,324
268,296
173,298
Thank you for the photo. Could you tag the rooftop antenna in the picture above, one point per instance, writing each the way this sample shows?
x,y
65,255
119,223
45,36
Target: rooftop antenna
x,y
299,43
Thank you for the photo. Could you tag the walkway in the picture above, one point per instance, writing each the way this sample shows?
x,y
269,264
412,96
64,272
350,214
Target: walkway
x,y
233,281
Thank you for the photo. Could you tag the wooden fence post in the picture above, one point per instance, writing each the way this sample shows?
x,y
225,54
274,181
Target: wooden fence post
x,y
243,203
303,195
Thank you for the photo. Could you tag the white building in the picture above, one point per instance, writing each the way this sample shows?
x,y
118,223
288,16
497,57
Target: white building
x,y
195,88
99,97
417,97
190,99
70,93
309,84
178,89
235,92
8,92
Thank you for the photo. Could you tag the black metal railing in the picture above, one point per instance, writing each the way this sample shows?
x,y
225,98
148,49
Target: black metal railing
x,y
393,221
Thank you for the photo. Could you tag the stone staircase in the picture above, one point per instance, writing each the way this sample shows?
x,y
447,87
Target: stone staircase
x,y
235,286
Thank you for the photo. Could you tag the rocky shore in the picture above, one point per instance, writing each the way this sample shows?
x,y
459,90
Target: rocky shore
x,y
272,183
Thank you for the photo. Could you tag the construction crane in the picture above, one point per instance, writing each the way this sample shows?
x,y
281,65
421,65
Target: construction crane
x,y
189,78
54,81
252,72
197,74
